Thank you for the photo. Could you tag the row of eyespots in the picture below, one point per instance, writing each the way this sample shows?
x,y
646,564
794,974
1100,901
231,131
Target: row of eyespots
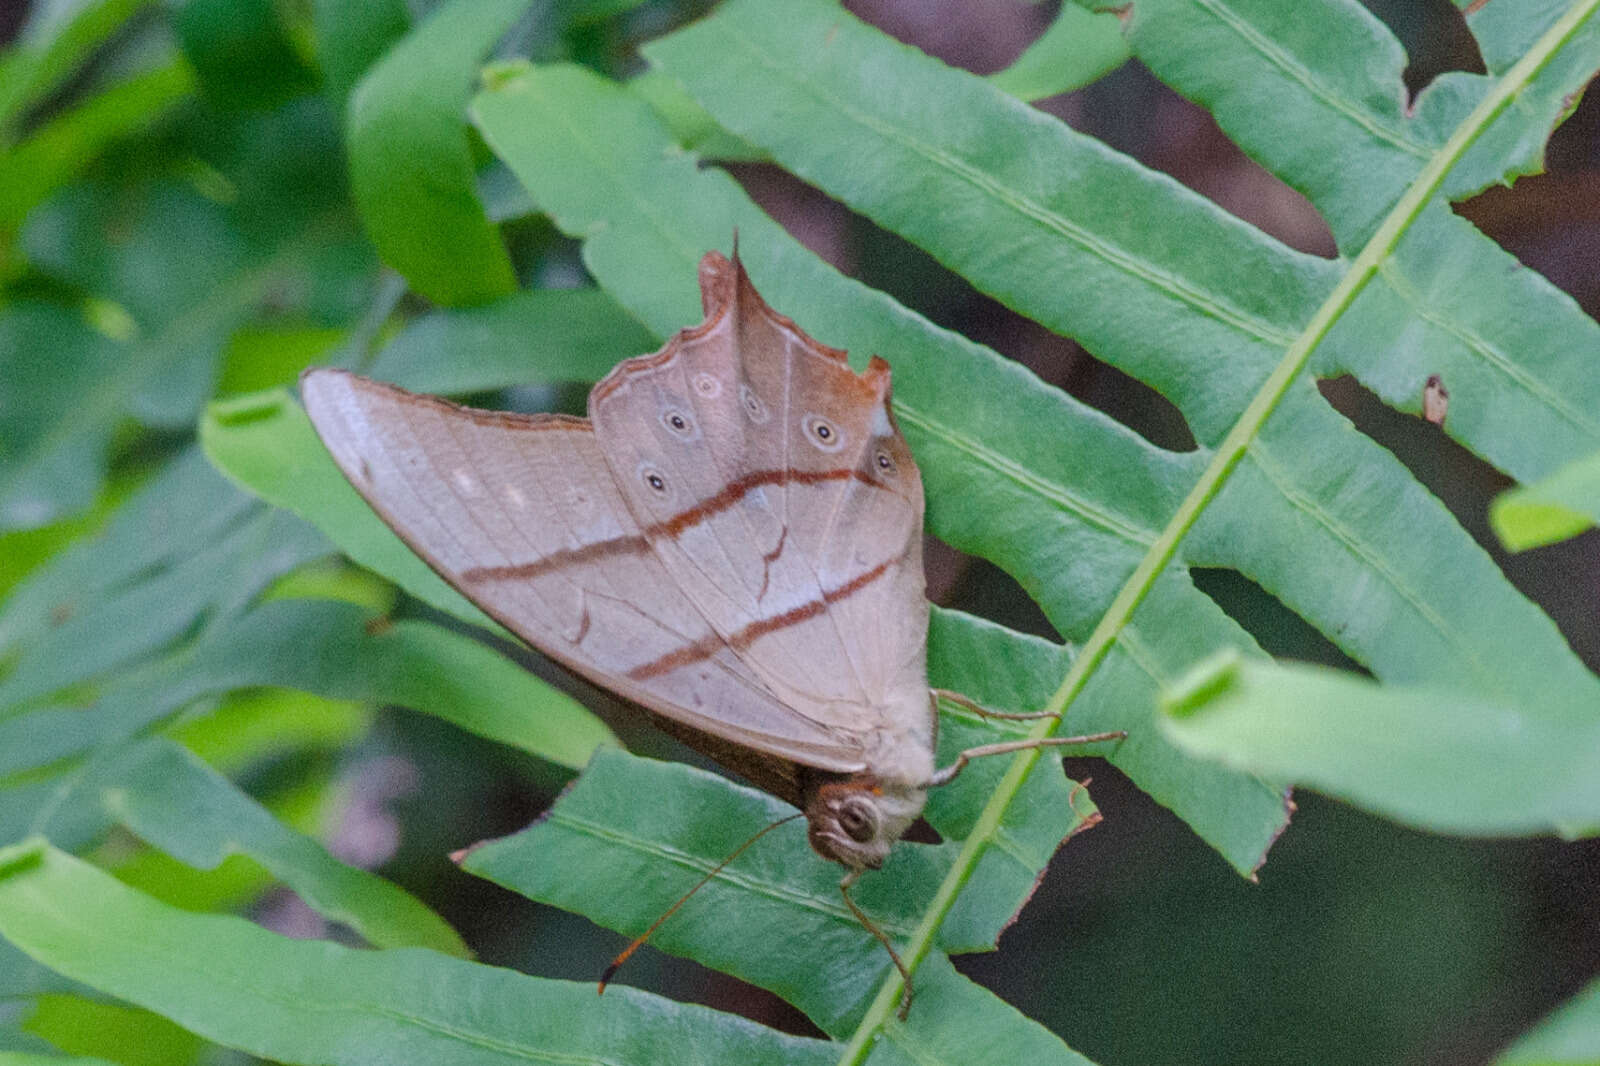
x,y
682,426
708,386
658,484
823,434
818,430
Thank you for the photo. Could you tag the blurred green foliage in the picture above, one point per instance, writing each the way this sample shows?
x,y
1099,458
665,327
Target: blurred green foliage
x,y
200,696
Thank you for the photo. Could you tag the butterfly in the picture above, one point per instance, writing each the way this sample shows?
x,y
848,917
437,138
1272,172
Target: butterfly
x,y
732,540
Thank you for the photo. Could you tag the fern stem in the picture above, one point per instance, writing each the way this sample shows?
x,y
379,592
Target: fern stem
x,y
1378,249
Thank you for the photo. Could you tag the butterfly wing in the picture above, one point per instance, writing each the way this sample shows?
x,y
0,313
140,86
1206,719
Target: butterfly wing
x,y
778,494
522,515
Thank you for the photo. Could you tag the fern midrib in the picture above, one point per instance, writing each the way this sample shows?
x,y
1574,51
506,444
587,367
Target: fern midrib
x,y
1233,447
1309,80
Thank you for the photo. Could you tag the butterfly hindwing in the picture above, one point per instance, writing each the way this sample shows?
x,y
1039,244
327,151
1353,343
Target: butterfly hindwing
x,y
776,490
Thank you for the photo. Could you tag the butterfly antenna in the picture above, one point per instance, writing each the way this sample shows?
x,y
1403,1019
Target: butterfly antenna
x,y
638,941
883,938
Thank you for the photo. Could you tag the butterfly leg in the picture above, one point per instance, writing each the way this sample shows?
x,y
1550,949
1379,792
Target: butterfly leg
x,y
883,938
983,712
947,774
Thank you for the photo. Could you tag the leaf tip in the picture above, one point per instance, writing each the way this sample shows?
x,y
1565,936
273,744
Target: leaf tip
x,y
460,855
251,407
22,857
1206,681
502,73
1522,520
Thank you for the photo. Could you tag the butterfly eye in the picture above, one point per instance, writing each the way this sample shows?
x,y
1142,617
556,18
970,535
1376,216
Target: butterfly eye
x,y
885,461
753,407
655,481
857,819
823,433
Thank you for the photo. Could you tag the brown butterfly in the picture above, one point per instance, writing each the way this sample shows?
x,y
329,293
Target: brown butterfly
x,y
732,539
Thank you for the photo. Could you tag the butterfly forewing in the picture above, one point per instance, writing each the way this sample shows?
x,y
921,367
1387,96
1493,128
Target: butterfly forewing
x,y
522,515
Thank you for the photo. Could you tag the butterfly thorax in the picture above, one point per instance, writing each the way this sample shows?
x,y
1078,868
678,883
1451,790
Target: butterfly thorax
x,y
854,819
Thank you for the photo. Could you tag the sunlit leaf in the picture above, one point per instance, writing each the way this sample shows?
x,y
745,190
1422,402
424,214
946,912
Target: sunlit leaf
x,y
1078,47
91,1026
1568,1037
411,167
316,1002
1551,509
1426,754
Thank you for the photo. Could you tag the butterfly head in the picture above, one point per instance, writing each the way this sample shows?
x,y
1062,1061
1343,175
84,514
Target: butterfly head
x,y
854,822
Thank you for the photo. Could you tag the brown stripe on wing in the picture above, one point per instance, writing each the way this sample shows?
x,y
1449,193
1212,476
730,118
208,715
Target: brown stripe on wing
x,y
591,552
706,648
734,491
672,527
766,563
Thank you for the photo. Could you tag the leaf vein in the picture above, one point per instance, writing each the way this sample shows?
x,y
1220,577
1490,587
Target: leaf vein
x,y
1285,61
1049,490
1493,356
1008,843
1371,558
1129,640
903,1037
1238,442
733,876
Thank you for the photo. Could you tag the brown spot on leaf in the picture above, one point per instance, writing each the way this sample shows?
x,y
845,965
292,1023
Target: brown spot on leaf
x,y
1435,400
